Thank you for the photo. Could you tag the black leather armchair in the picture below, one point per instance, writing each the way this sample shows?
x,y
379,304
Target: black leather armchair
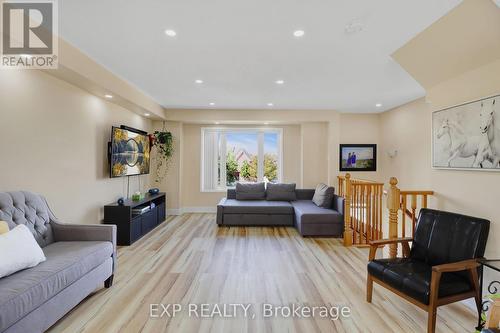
x,y
440,268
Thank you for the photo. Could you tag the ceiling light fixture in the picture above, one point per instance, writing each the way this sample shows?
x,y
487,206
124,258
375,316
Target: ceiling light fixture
x,y
212,103
270,104
198,81
299,33
147,114
266,123
217,123
170,33
108,96
378,105
279,81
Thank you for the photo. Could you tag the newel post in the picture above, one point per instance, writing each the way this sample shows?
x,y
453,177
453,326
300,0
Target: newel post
x,y
393,205
347,211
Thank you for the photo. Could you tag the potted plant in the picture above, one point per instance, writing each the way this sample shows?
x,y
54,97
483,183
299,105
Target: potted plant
x,y
163,141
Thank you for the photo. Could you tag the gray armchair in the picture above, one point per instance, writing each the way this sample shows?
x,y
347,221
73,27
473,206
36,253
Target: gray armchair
x,y
80,259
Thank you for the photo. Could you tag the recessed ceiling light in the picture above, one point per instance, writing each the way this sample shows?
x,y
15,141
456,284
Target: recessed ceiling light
x,y
378,105
108,96
279,81
211,103
170,33
217,123
147,114
266,123
198,81
299,33
270,104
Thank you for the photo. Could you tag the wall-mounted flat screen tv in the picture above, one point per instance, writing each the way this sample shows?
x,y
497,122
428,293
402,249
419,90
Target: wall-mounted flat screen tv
x,y
129,153
358,157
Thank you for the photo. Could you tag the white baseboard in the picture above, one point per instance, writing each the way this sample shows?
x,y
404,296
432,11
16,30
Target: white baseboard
x,y
171,211
188,210
210,209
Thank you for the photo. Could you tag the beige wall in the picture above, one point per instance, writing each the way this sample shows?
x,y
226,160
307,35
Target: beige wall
x,y
170,180
408,129
310,150
466,68
54,142
362,128
314,157
193,198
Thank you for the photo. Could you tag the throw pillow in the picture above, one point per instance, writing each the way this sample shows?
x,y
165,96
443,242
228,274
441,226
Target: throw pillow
x,y
323,196
281,192
4,227
250,191
19,250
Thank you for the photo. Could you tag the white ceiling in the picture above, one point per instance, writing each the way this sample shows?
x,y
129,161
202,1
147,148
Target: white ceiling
x,y
240,48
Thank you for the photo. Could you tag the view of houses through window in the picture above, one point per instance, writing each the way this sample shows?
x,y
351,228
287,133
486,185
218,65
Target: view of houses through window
x,y
245,155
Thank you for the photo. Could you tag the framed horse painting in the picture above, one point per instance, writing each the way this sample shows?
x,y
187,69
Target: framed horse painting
x,y
467,136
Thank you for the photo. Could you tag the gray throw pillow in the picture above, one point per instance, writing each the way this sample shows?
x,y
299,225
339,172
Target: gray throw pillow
x,y
281,192
250,191
323,196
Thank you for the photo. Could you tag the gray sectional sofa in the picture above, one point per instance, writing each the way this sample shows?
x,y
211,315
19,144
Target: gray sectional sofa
x,y
303,213
80,258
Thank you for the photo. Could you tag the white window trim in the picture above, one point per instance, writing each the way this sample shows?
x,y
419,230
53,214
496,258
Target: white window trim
x,y
260,132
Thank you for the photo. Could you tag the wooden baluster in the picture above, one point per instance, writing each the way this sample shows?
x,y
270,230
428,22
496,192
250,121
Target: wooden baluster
x,y
355,213
393,204
369,235
360,216
424,201
374,212
347,212
361,213
413,213
403,220
365,213
379,210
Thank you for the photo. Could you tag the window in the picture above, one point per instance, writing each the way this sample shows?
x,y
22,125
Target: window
x,y
247,155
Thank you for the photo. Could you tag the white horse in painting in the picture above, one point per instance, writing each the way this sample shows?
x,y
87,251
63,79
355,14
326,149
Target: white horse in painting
x,y
487,127
464,146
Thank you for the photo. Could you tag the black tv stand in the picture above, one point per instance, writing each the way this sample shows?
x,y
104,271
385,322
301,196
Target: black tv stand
x,y
131,227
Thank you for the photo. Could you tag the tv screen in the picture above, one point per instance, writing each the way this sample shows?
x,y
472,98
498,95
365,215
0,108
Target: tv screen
x,y
129,153
358,157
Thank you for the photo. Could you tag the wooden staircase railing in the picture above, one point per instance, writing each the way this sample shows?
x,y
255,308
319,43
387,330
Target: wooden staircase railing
x,y
363,209
399,200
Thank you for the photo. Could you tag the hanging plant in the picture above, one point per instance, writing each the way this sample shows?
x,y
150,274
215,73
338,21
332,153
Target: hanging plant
x,y
163,141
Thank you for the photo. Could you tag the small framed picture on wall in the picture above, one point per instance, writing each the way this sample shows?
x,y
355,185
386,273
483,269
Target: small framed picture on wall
x,y
358,157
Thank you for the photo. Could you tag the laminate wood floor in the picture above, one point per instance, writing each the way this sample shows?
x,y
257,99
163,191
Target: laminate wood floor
x,y
189,259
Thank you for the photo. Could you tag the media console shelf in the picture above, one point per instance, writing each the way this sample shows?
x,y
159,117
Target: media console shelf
x,y
131,227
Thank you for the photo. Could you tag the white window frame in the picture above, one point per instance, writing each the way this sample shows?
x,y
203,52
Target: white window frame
x,y
260,131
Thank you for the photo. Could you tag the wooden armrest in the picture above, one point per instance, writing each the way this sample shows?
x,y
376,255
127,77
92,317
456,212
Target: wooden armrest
x,y
456,266
376,243
390,241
